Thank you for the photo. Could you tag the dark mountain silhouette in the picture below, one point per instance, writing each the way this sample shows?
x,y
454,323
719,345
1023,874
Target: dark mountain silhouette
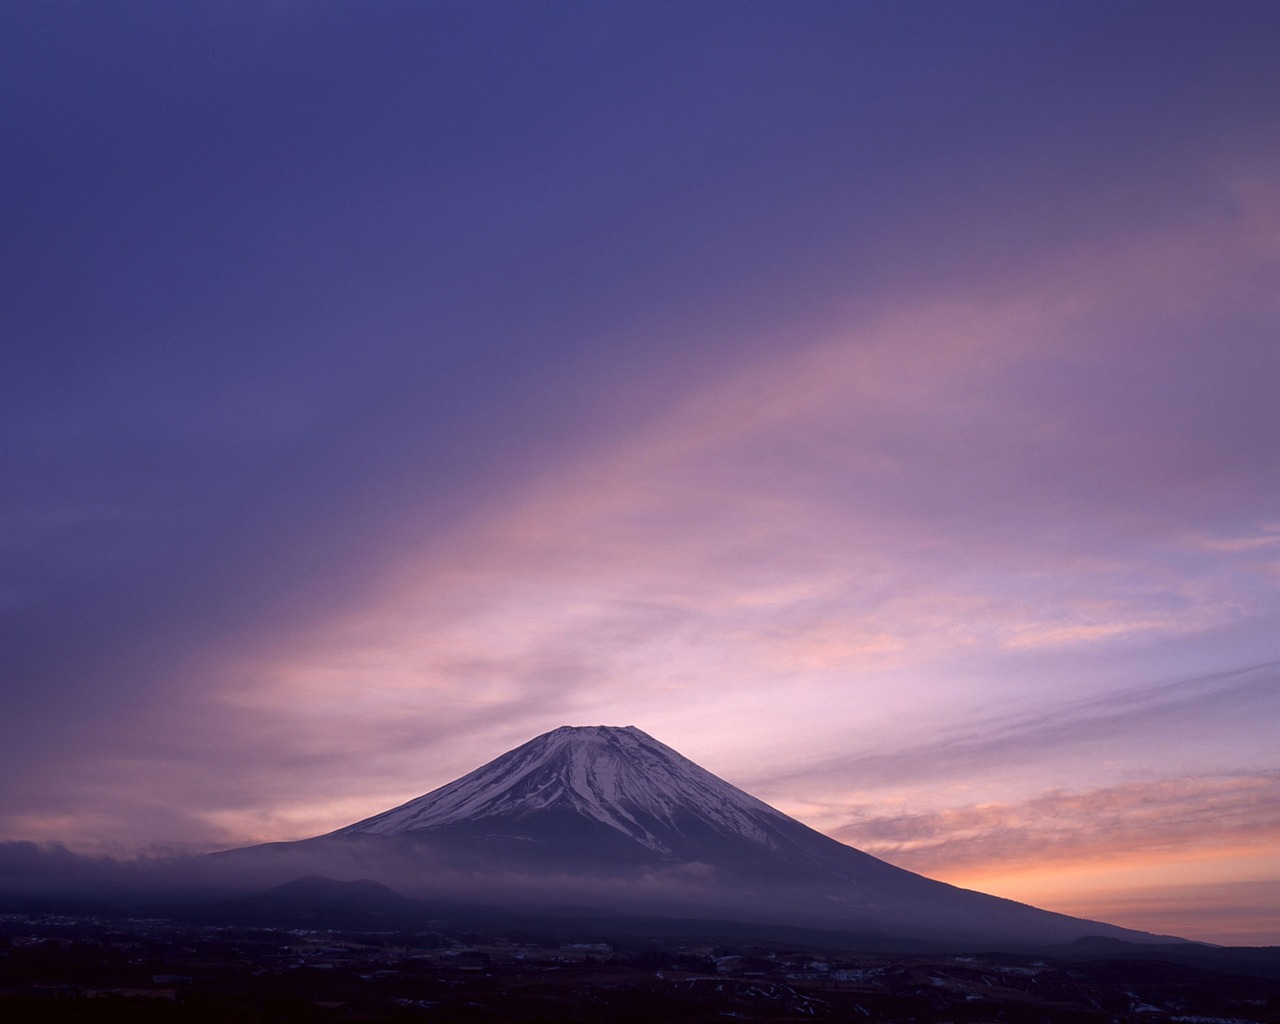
x,y
607,817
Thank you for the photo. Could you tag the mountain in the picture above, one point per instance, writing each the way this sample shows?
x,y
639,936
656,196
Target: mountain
x,y
608,800
608,817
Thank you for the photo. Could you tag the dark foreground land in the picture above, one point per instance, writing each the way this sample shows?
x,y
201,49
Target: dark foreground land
x,y
87,967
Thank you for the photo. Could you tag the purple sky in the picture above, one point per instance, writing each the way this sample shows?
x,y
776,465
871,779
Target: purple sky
x,y
875,402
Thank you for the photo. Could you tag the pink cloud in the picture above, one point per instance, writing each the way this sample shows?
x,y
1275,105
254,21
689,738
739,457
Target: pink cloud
x,y
1133,821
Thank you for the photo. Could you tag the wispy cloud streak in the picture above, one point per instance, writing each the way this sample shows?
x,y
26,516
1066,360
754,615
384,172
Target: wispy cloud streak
x,y
1182,817
1167,714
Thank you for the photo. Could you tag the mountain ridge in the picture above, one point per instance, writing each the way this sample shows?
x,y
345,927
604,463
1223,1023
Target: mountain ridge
x,y
609,816
617,775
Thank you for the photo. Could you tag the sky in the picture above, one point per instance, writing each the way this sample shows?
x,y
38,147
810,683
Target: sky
x,y
875,402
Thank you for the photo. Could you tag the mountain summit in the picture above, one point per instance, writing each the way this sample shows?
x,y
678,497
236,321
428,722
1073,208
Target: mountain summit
x,y
586,782
619,777
609,817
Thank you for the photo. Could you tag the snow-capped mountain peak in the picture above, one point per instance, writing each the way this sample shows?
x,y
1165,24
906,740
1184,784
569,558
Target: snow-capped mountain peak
x,y
617,776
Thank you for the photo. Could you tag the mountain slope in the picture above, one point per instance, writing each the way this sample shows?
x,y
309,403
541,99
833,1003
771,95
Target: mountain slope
x,y
599,798
620,777
610,817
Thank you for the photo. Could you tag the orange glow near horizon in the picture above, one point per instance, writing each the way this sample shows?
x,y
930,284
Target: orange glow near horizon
x,y
1173,893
